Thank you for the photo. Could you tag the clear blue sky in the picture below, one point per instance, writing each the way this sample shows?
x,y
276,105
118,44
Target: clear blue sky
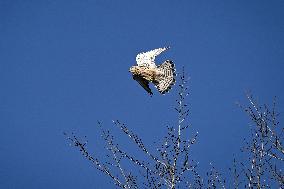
x,y
64,65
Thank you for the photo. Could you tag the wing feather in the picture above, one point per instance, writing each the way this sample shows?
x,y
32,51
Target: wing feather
x,y
143,82
147,59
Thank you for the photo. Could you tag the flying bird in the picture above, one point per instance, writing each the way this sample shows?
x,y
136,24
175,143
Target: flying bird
x,y
146,71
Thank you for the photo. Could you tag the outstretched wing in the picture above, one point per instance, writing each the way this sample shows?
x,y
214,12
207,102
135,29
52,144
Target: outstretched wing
x,y
143,82
147,59
165,82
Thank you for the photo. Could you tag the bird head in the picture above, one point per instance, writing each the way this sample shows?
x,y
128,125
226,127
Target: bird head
x,y
134,70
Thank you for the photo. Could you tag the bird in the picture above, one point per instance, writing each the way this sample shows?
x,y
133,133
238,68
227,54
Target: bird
x,y
146,71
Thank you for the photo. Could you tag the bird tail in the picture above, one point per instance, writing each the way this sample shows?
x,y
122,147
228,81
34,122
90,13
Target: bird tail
x,y
165,82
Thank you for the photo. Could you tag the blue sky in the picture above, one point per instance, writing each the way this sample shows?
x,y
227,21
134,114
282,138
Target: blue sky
x,y
64,65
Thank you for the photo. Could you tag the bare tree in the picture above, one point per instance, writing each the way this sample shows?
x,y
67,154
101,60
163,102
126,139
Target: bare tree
x,y
264,149
168,166
171,166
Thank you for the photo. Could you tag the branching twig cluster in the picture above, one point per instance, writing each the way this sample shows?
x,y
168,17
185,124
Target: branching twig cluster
x,y
265,149
170,166
215,179
82,146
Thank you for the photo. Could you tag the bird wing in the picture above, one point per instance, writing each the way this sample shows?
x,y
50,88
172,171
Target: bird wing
x,y
143,82
147,59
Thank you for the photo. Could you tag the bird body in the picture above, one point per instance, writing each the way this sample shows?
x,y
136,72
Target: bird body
x,y
162,76
150,74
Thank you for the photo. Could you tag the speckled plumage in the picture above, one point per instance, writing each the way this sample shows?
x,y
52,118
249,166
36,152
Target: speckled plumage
x,y
162,76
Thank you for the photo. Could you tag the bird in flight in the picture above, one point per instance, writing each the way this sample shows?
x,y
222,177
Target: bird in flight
x,y
162,76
